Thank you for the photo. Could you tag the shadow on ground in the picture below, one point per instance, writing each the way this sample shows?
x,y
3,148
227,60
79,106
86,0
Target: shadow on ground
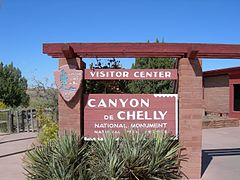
x,y
207,155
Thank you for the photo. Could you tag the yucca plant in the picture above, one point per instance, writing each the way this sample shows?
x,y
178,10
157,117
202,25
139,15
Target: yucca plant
x,y
104,160
131,157
165,157
136,156
63,158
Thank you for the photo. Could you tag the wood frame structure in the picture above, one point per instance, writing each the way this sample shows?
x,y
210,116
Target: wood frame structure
x,y
190,90
128,50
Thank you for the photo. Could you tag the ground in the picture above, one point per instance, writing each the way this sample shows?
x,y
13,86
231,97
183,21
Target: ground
x,y
221,154
12,148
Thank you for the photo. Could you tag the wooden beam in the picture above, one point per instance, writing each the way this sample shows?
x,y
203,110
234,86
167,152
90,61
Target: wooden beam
x,y
129,55
68,52
143,50
192,53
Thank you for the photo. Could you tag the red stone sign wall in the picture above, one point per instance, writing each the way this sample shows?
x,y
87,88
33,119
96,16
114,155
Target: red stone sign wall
x,y
120,112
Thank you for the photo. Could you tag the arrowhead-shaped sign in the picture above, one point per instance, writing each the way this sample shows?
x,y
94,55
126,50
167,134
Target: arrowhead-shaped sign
x,y
68,81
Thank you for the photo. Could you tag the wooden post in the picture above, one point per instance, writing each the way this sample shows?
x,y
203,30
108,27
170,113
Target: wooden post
x,y
23,120
37,122
17,121
9,121
70,113
27,120
190,114
31,119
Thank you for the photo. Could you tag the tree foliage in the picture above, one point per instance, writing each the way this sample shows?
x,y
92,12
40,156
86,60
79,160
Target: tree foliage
x,y
107,86
152,86
13,86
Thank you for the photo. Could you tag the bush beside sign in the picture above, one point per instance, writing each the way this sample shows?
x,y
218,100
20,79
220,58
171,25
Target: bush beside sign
x,y
119,112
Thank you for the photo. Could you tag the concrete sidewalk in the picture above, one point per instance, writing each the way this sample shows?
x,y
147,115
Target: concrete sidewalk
x,y
221,154
12,149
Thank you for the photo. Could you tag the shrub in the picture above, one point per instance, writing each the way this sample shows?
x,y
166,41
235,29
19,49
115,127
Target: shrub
x,y
3,106
41,117
49,128
62,158
136,156
3,118
48,132
104,159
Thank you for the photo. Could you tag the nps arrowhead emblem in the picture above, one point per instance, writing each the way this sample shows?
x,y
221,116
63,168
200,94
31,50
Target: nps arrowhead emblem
x,y
68,81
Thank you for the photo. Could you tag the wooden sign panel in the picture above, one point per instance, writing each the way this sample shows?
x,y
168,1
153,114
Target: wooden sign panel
x,y
130,74
119,112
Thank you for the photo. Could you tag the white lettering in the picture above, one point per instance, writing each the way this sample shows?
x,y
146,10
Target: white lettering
x,y
168,74
112,103
141,115
136,74
145,103
162,114
123,102
90,103
102,103
125,74
118,74
119,103
134,103
119,115
92,73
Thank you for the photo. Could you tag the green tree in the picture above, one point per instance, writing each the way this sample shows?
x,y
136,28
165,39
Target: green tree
x,y
152,86
107,86
13,86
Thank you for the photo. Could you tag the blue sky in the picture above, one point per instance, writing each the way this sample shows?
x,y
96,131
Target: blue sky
x,y
26,25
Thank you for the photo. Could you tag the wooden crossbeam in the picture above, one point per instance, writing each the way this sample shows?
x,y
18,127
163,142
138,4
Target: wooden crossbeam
x,y
68,52
192,53
192,50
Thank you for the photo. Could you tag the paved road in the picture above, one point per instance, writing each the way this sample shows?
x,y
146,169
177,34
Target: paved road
x,y
221,154
12,148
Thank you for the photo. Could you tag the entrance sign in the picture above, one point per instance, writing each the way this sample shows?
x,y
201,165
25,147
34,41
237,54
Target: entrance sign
x,y
190,106
119,112
68,81
130,74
